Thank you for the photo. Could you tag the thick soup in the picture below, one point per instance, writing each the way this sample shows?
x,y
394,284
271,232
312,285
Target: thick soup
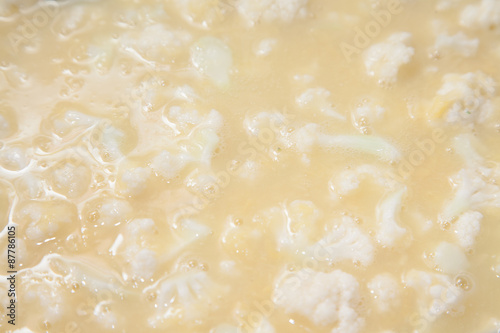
x,y
256,166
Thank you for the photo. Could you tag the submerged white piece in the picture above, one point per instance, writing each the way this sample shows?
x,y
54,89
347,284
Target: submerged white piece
x,y
325,298
384,59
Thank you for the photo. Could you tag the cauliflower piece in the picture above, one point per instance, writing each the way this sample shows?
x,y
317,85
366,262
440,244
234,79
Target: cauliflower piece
x,y
135,180
23,330
144,246
472,192
327,299
169,165
387,210
365,115
205,139
450,258
385,290
464,99
213,58
200,140
437,293
40,285
266,121
309,135
300,226
70,179
202,13
153,42
42,220
182,119
112,142
344,242
458,43
466,228
242,238
187,297
299,232
143,261
107,211
349,180
383,60
484,15
270,10
317,99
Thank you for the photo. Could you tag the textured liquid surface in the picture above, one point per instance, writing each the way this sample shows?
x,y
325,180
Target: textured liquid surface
x,y
251,166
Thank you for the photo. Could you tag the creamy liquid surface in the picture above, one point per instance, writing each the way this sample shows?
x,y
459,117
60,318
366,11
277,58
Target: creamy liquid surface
x,y
251,166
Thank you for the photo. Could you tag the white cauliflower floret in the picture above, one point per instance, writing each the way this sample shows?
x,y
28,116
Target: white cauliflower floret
x,y
388,208
437,293
450,258
144,245
271,10
383,60
484,15
107,211
202,13
298,230
201,137
136,180
168,165
458,43
465,99
344,242
41,287
109,140
327,299
42,220
310,134
365,115
71,179
299,233
349,180
213,58
23,330
466,228
385,290
273,121
318,99
153,41
183,296
387,212
142,261
181,119
472,191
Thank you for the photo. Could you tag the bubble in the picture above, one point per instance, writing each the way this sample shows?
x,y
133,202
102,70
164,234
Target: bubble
x,y
464,282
